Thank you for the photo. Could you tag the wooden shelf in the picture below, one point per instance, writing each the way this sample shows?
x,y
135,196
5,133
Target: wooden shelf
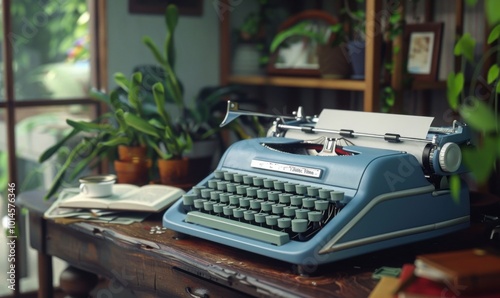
x,y
370,86
300,82
422,85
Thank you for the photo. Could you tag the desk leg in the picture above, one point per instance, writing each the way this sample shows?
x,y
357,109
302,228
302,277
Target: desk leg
x,y
45,283
77,283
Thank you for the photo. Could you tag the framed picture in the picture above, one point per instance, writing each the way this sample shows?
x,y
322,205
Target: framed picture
x,y
423,43
297,54
186,7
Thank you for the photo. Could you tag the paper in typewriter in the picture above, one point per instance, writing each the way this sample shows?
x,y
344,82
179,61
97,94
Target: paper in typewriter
x,y
375,123
380,124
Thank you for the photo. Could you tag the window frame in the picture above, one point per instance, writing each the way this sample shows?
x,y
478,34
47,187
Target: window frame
x,y
98,79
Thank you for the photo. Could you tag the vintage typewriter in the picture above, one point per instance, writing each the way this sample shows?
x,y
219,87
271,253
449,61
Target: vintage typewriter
x,y
321,189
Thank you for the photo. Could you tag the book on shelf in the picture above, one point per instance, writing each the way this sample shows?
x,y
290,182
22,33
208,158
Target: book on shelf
x,y
147,198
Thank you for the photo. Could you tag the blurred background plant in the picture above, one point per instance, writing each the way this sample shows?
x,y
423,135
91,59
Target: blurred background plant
x,y
477,104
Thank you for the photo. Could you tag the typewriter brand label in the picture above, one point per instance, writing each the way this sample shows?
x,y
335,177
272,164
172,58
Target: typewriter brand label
x,y
279,167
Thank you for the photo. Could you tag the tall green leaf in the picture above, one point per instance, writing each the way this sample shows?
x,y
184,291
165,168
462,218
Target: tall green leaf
x,y
53,149
154,50
122,81
159,98
492,10
133,94
454,86
140,124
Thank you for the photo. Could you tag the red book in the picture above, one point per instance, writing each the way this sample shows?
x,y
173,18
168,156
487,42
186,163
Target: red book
x,y
414,286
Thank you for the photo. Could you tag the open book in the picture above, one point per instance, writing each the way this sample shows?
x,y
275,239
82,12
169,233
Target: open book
x,y
147,198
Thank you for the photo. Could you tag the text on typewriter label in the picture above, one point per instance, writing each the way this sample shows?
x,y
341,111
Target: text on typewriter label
x,y
279,167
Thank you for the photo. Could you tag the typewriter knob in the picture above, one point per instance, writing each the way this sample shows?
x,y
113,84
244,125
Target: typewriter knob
x,y
450,157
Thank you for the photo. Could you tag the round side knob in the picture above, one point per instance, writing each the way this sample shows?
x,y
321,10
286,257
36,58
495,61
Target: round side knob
x,y
450,157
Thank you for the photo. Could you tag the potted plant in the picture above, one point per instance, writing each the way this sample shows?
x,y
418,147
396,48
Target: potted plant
x,y
92,141
168,140
198,120
478,105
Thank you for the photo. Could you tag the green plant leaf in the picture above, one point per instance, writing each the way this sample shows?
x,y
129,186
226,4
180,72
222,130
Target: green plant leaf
x,y
455,185
492,11
154,50
454,86
479,116
140,124
89,126
494,34
154,122
465,47
101,96
58,179
84,163
159,98
114,98
481,161
53,149
471,2
300,29
161,153
493,73
171,17
115,142
390,97
133,93
122,81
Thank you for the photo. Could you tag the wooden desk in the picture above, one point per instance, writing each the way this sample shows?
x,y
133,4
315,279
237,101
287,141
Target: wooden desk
x,y
165,266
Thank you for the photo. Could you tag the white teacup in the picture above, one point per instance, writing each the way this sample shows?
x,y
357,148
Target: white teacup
x,y
97,186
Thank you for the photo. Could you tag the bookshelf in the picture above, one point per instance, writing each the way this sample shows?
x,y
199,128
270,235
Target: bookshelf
x,y
369,86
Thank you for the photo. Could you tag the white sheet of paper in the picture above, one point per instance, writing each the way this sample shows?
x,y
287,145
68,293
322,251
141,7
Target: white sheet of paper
x,y
375,123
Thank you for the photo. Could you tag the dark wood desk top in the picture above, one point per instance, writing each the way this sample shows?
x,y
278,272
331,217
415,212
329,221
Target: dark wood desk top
x,y
163,265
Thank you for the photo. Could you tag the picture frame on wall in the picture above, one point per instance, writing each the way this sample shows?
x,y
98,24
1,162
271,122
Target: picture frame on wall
x,y
186,7
423,43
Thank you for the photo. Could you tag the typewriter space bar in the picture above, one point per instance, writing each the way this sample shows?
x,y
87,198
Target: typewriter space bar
x,y
238,228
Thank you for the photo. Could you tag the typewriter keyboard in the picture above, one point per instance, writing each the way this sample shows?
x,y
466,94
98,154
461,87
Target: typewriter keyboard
x,y
270,210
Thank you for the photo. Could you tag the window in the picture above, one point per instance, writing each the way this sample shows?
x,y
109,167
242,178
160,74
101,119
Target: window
x,y
49,62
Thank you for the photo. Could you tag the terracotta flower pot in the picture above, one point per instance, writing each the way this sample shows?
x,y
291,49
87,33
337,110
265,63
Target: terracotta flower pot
x,y
129,153
132,172
133,165
174,172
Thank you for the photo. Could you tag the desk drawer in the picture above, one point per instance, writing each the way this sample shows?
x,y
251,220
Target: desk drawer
x,y
186,284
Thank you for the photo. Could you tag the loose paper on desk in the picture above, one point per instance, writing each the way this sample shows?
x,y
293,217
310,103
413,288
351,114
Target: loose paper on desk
x,y
72,215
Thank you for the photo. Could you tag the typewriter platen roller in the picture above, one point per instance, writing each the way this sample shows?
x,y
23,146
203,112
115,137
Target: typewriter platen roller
x,y
321,189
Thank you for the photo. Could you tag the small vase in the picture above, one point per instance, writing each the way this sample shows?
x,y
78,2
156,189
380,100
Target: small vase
x,y
356,49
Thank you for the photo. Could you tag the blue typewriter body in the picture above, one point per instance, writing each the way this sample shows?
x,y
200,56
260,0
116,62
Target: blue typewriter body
x,y
387,201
